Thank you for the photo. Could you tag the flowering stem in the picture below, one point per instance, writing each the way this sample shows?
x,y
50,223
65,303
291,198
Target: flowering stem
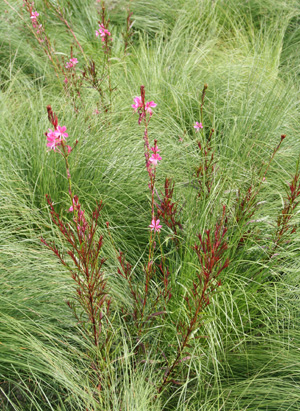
x,y
202,101
107,50
272,157
210,254
290,204
128,33
65,155
48,50
63,20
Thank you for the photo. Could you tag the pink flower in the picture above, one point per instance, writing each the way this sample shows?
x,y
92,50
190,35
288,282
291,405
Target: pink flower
x,y
51,134
53,140
103,32
138,103
66,80
148,106
71,63
197,126
60,132
34,15
154,159
75,205
155,225
69,149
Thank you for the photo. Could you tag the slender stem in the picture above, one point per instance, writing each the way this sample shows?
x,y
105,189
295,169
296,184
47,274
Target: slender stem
x,y
186,338
72,32
287,211
48,51
93,318
65,155
202,102
272,157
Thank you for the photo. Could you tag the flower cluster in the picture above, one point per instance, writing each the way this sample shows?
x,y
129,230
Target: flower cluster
x,y
138,105
33,16
103,32
152,160
155,157
58,135
55,137
71,63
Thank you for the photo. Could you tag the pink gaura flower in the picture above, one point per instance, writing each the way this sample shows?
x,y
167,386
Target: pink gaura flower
x,y
155,225
53,140
103,32
60,132
66,80
137,103
148,106
75,205
34,15
154,159
197,126
71,63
